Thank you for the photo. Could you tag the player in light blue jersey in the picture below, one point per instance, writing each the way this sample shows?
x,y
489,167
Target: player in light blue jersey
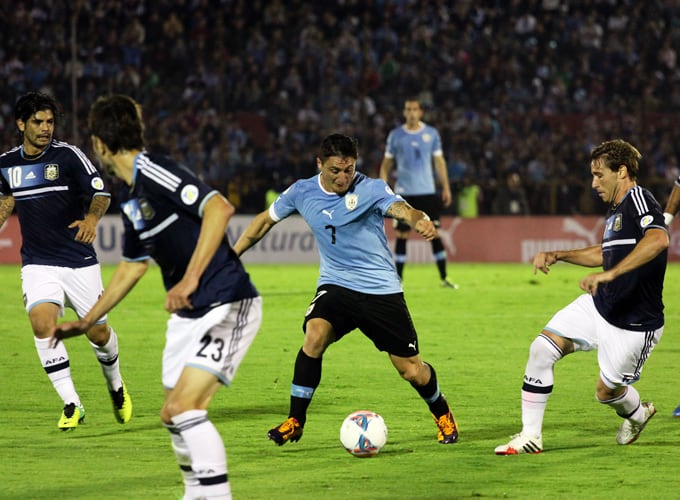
x,y
170,215
358,286
47,181
414,147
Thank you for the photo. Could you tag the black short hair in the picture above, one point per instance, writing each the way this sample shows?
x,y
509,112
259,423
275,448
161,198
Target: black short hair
x,y
32,102
338,145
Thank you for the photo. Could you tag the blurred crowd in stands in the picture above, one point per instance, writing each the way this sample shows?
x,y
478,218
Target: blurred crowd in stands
x,y
243,90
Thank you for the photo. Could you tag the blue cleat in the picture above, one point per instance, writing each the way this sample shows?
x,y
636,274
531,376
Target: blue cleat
x,y
676,412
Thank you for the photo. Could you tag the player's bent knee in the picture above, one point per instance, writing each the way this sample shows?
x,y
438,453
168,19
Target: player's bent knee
x,y
606,392
543,350
171,408
412,371
42,329
166,418
179,401
318,336
99,334
411,377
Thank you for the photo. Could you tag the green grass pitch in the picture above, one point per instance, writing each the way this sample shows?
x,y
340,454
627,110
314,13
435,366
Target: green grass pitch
x,y
477,338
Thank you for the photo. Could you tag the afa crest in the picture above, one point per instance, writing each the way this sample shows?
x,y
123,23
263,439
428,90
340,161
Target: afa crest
x,y
51,172
618,222
146,209
351,201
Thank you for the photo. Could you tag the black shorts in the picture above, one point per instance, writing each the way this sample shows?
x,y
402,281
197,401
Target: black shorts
x,y
428,203
384,319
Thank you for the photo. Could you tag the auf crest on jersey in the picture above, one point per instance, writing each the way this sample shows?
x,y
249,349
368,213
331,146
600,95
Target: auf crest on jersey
x,y
51,172
351,201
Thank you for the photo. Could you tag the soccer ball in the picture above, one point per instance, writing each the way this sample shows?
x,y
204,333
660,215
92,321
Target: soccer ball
x,y
363,433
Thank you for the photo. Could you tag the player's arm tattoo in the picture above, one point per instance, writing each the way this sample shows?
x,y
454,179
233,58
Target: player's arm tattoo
x,y
403,212
398,210
99,205
6,207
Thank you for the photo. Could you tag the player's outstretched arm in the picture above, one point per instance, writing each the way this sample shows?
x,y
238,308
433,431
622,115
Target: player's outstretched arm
x,y
255,231
87,228
416,219
587,257
125,277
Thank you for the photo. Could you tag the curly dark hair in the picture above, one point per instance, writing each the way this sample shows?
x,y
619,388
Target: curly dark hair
x,y
32,102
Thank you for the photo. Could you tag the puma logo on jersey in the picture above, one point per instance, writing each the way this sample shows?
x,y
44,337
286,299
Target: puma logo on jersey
x,y
329,214
412,345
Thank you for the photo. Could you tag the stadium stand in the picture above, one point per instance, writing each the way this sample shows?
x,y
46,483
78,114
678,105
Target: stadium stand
x,y
244,90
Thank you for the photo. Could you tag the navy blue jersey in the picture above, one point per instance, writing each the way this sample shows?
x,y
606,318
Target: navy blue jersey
x,y
51,191
162,214
632,301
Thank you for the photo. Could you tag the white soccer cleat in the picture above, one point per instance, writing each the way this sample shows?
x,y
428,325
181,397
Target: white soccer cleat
x,y
521,444
630,431
447,284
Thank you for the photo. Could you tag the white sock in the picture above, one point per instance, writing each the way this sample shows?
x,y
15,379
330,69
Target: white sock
x,y
191,484
206,449
533,409
55,362
538,383
107,355
628,405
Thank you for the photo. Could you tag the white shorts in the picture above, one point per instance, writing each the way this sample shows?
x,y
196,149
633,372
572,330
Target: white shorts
x,y
216,342
621,353
78,289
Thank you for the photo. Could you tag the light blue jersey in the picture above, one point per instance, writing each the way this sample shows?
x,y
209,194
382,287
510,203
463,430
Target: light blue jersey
x,y
413,151
349,230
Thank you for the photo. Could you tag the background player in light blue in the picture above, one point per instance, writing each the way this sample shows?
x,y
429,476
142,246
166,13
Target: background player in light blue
x,y
47,180
358,286
414,146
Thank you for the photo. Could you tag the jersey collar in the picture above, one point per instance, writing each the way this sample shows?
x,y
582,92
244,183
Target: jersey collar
x,y
421,126
33,157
